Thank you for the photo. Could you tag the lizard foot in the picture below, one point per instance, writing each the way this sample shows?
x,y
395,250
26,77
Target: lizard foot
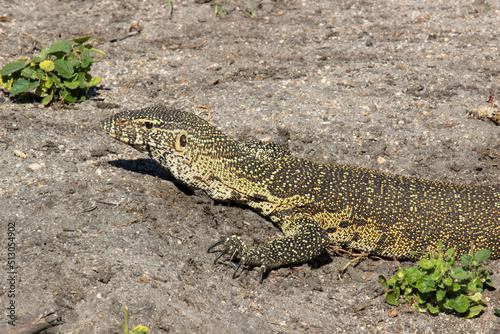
x,y
235,245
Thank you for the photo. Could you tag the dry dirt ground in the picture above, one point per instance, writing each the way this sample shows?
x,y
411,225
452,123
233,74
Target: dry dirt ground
x,y
379,84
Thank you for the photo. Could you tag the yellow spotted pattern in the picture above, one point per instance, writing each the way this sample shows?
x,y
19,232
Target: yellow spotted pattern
x,y
314,204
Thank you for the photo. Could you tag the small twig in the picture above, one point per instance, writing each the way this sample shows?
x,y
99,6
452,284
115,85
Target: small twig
x,y
34,324
357,259
116,39
129,222
206,107
19,44
361,307
34,38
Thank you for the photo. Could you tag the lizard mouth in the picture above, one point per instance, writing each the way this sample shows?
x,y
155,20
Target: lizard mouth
x,y
142,147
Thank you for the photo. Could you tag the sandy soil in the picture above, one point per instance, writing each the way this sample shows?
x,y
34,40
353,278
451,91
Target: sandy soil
x,y
379,84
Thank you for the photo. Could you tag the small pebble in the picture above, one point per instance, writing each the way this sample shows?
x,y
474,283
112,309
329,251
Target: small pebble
x,y
20,154
34,167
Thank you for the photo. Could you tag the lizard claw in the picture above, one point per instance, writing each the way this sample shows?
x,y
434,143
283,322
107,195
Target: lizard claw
x,y
239,250
233,244
237,267
224,251
218,242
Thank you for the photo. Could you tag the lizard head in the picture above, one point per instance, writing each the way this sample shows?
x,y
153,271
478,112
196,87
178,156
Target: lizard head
x,y
185,144
168,130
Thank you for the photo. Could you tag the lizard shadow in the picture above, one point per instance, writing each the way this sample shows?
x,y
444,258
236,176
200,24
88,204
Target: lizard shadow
x,y
316,263
150,167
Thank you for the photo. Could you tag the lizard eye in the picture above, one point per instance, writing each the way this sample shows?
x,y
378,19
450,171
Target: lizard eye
x,y
148,125
181,141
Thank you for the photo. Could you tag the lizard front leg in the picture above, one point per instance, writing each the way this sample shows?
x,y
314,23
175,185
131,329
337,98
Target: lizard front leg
x,y
304,240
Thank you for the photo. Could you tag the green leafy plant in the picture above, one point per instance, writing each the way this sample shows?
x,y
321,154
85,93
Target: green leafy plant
x,y
219,7
59,73
496,312
137,329
436,284
250,12
170,8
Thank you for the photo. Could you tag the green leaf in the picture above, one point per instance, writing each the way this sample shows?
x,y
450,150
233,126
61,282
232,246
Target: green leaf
x,y
383,280
99,52
450,252
86,54
440,294
419,307
86,63
60,46
82,39
400,274
68,97
29,73
473,286
36,60
94,82
413,274
71,84
489,282
482,255
466,259
432,309
426,264
23,86
436,276
81,80
48,82
13,67
476,298
43,54
76,64
41,90
422,298
392,299
496,311
460,304
448,281
56,81
458,273
47,65
46,100
426,284
64,68
6,82
474,311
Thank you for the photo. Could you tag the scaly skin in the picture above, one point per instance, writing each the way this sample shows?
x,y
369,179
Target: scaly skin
x,y
315,205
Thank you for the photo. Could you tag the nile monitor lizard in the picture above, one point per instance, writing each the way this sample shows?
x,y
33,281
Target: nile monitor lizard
x,y
313,204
